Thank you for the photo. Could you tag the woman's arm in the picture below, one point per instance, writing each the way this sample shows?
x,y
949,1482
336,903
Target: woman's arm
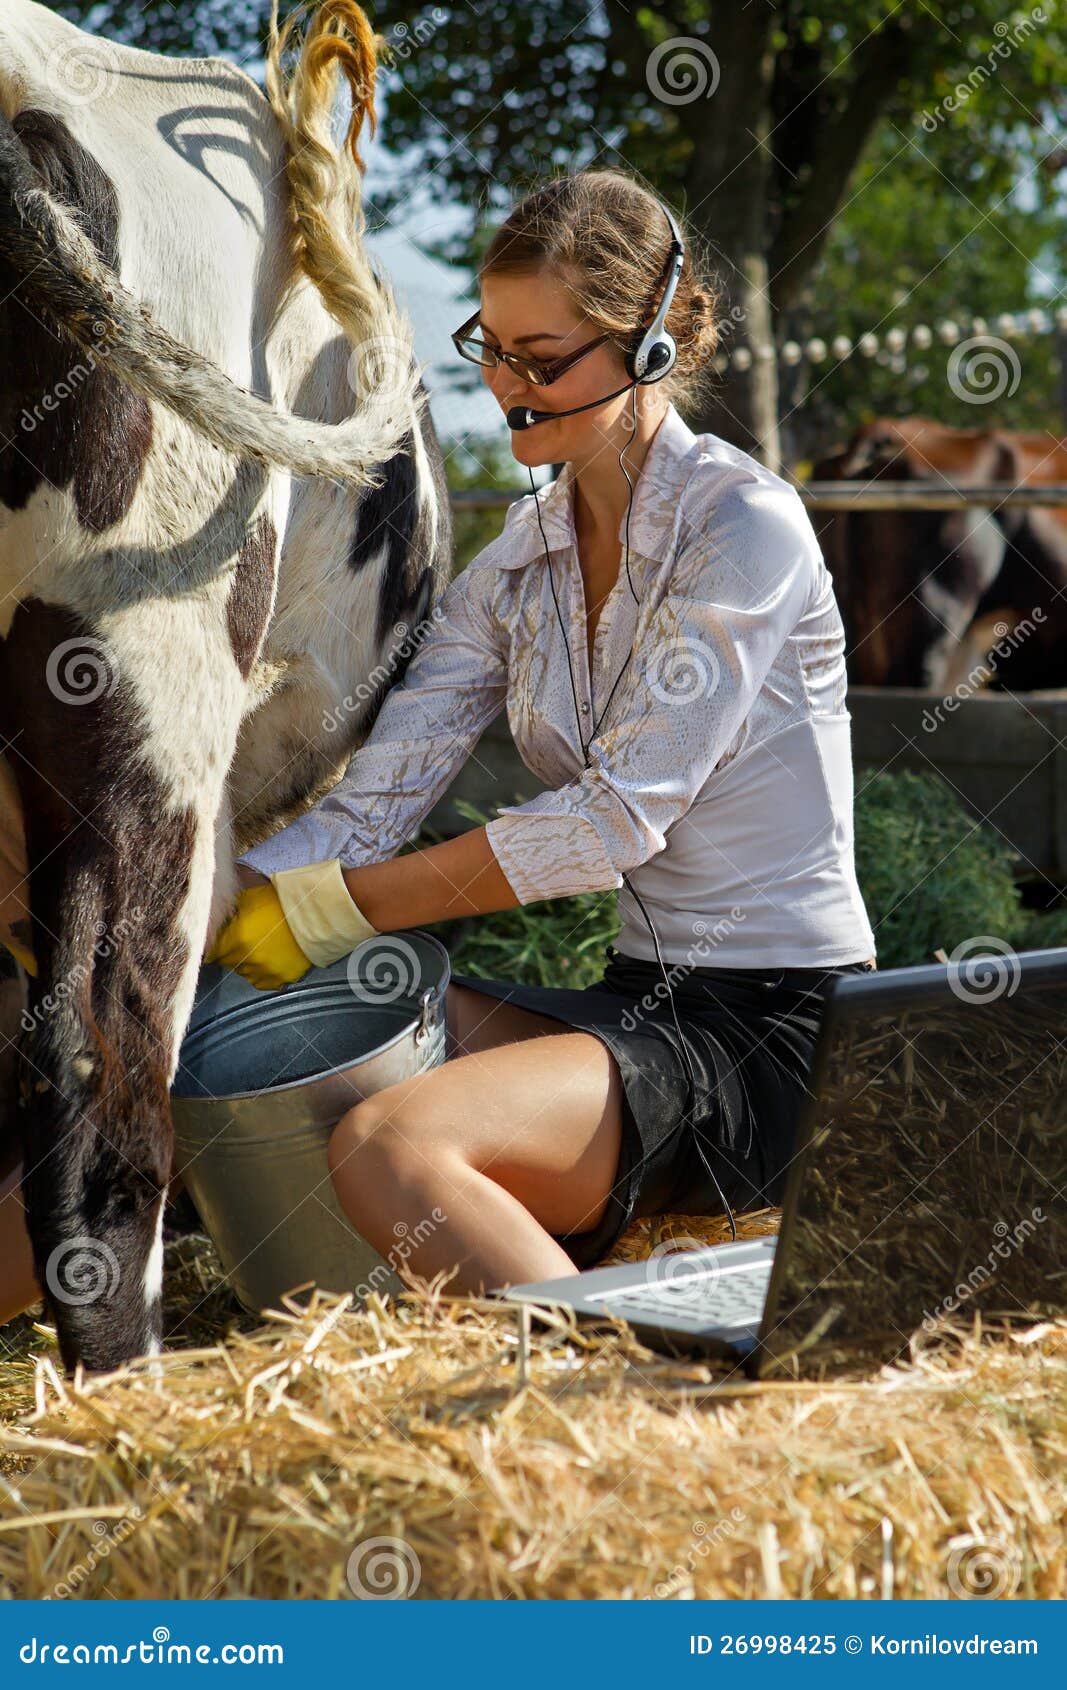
x,y
458,877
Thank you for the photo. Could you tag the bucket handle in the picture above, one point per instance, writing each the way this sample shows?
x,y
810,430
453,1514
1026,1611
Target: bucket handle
x,y
427,1015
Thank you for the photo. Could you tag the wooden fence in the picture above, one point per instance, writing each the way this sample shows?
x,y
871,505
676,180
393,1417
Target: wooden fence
x,y
853,495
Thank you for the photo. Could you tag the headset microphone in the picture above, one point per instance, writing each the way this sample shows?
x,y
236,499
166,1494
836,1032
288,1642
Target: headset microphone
x,y
520,416
653,358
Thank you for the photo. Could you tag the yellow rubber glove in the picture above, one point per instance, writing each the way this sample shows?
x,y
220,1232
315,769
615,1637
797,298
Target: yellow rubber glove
x,y
323,916
258,942
21,955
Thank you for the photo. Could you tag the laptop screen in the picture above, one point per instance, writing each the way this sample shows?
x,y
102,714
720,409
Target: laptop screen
x,y
934,1187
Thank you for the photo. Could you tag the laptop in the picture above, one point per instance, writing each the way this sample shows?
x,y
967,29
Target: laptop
x,y
927,1184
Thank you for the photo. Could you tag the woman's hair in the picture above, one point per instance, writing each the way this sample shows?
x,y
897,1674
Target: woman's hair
x,y
607,239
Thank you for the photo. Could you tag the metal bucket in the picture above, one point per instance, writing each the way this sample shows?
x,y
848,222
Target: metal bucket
x,y
262,1079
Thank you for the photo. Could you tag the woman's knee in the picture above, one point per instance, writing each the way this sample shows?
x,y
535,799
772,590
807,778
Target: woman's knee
x,y
386,1132
357,1129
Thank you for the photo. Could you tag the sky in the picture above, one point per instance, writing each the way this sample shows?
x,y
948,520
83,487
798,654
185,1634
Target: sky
x,y
437,296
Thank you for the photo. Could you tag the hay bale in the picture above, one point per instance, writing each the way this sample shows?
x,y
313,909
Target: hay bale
x,y
442,1447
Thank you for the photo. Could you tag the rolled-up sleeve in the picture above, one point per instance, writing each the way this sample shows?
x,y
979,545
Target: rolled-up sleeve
x,y
738,587
425,730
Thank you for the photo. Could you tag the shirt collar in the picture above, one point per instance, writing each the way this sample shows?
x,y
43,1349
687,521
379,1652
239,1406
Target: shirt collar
x,y
654,514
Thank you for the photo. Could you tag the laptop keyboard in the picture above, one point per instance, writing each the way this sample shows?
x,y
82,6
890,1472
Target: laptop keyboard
x,y
723,1299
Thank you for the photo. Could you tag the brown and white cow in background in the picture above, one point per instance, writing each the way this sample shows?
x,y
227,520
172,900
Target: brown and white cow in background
x,y
222,509
924,593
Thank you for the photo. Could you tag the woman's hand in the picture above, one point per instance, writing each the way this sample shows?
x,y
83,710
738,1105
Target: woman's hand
x,y
258,942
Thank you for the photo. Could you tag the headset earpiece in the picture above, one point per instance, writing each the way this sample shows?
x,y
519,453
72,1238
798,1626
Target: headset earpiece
x,y
656,352
652,360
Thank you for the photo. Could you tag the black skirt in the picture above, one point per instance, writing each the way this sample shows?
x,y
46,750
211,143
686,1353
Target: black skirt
x,y
750,1034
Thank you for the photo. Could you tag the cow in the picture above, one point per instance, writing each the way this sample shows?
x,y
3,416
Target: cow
x,y
930,598
223,520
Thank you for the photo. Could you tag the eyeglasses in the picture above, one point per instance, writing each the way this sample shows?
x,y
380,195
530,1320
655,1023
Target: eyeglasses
x,y
540,372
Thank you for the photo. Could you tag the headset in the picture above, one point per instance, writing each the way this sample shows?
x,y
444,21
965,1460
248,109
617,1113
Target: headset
x,y
652,359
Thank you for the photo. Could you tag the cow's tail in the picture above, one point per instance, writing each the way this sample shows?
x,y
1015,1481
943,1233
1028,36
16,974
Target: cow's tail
x,y
326,181
62,275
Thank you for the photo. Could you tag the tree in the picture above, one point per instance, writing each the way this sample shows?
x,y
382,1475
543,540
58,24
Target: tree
x,y
755,118
932,243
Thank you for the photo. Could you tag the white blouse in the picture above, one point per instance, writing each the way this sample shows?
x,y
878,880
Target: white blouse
x,y
720,780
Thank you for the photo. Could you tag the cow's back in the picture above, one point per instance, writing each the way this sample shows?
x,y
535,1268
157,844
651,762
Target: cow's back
x,y
172,170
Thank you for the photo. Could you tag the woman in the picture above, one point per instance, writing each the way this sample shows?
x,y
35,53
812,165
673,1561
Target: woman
x,y
692,732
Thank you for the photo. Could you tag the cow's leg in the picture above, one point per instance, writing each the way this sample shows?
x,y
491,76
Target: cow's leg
x,y
120,760
971,665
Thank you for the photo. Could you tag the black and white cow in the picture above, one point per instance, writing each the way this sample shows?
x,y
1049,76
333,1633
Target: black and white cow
x,y
222,514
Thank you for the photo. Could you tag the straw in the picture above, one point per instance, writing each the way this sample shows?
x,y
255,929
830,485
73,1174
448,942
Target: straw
x,y
441,1447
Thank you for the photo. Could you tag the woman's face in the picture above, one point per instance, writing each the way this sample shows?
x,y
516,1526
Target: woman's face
x,y
533,315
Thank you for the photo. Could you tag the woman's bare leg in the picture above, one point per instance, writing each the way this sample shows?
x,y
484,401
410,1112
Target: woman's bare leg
x,y
475,1164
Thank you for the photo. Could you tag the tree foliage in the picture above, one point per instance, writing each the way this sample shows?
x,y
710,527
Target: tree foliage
x,y
843,163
